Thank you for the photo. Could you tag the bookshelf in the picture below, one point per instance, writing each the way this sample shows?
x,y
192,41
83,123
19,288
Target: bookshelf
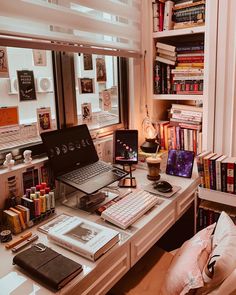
x,y
206,33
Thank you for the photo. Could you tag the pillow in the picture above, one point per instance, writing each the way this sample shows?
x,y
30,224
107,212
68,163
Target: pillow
x,y
222,260
185,271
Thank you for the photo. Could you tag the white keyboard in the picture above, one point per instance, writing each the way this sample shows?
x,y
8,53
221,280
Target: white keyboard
x,y
127,210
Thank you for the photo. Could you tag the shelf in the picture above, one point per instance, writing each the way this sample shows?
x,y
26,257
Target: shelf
x,y
177,97
217,196
179,32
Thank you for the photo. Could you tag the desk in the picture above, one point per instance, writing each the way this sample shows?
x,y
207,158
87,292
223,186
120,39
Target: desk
x,y
98,277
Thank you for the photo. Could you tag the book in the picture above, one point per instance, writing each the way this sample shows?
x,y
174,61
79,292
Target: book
x,y
165,46
47,265
218,172
166,52
25,212
165,60
23,225
13,221
168,23
206,165
84,237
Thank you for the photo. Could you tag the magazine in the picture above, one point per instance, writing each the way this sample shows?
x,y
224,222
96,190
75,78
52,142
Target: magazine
x,y
84,237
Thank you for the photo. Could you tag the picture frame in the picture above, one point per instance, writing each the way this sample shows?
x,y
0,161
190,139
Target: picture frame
x,y
4,71
26,85
106,100
86,111
87,62
44,119
40,57
86,85
9,116
101,69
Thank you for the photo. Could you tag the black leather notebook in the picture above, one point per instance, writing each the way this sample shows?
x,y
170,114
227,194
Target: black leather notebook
x,y
50,267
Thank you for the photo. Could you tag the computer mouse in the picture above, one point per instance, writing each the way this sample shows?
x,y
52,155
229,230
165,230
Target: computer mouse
x,y
163,186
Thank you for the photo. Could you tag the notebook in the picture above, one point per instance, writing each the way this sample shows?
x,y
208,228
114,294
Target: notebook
x,y
48,266
74,160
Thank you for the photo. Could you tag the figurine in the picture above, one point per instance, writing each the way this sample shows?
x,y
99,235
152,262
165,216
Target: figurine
x,y
9,162
27,156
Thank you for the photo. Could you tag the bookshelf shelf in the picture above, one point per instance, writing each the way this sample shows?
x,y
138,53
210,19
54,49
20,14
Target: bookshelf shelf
x,y
217,196
177,97
179,32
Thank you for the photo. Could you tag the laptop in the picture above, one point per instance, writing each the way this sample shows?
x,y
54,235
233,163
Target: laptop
x,y
74,160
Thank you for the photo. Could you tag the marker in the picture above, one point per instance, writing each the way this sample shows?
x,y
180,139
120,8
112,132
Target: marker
x,y
25,243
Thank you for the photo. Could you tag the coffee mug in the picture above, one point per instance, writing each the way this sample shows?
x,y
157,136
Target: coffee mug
x,y
153,165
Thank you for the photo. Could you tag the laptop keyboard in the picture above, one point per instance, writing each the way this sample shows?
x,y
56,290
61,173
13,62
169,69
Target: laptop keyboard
x,y
85,173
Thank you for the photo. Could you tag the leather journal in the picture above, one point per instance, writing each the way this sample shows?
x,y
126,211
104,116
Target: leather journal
x,y
47,265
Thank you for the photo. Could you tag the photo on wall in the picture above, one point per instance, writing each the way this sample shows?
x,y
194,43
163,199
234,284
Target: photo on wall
x,y
101,70
40,57
4,73
44,119
86,85
26,85
106,100
86,111
88,62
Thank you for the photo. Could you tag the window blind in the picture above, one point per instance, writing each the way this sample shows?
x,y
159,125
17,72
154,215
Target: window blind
x,y
105,26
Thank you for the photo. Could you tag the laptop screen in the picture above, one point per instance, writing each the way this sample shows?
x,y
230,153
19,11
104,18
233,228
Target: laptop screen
x,y
69,148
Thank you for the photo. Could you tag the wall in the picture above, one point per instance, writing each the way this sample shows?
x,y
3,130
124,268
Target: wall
x,y
225,110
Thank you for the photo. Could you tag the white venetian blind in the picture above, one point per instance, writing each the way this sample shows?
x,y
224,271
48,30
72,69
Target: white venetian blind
x,y
111,26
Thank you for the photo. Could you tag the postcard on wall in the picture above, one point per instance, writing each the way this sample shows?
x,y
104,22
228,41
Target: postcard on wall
x,y
101,69
9,116
4,73
86,85
86,111
88,62
26,85
40,57
44,119
106,100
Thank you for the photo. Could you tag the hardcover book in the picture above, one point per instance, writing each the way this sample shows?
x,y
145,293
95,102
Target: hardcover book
x,y
84,237
50,267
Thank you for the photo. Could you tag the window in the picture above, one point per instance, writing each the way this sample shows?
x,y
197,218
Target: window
x,y
27,98
97,95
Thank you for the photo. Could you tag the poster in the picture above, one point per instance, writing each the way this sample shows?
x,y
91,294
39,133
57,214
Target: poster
x,y
86,85
40,57
4,73
101,69
88,62
9,116
106,100
86,111
44,119
26,85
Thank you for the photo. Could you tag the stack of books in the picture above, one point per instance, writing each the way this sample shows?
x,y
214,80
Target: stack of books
x,y
217,171
165,62
177,14
188,73
179,69
209,212
188,13
184,130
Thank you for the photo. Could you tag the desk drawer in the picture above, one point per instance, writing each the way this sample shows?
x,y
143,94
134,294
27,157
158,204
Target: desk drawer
x,y
184,203
151,233
107,273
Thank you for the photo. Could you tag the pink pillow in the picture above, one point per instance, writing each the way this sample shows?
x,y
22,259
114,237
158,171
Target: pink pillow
x,y
185,271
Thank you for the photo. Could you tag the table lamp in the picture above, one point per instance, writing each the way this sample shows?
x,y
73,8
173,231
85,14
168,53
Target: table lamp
x,y
150,145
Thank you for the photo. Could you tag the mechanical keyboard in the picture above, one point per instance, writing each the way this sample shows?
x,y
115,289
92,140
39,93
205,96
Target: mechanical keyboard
x,y
127,210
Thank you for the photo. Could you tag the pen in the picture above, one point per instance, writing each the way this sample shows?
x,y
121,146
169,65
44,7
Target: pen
x,y
25,243
18,241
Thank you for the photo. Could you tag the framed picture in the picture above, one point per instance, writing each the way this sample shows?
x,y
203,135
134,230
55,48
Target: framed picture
x,y
101,70
4,73
86,85
26,85
86,111
9,116
88,62
106,100
40,57
44,119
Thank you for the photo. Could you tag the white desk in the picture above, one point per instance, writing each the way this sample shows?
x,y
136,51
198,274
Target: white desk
x,y
98,277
